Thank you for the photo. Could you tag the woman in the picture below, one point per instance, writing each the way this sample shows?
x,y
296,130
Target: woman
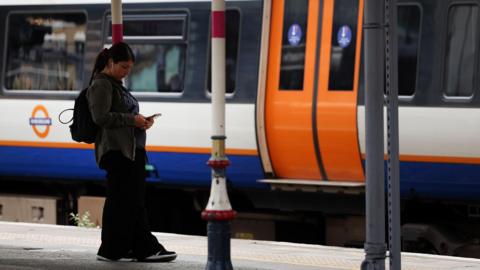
x,y
120,151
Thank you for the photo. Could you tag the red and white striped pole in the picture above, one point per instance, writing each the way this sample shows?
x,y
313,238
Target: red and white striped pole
x,y
117,21
218,212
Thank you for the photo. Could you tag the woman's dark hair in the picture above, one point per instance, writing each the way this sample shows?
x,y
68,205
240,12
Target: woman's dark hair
x,y
118,52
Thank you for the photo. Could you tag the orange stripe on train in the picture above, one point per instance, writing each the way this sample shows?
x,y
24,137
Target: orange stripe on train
x,y
435,159
153,148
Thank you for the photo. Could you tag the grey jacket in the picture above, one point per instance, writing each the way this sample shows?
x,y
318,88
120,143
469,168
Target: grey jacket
x,y
110,113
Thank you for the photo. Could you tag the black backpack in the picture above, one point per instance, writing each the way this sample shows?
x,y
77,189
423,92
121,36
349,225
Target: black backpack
x,y
83,129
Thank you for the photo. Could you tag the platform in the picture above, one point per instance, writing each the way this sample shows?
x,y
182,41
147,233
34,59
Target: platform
x,y
32,246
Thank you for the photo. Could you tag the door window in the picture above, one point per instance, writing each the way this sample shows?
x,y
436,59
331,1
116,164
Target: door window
x,y
294,42
343,50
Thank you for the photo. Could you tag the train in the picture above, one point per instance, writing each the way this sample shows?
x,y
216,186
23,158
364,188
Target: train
x,y
295,112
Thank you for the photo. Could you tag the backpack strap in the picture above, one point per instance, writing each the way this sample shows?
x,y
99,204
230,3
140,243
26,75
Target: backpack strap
x,y
60,117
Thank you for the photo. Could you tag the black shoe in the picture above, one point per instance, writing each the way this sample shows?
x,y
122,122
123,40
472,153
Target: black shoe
x,y
160,256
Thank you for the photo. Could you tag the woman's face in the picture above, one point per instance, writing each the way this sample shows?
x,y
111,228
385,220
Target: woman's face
x,y
121,69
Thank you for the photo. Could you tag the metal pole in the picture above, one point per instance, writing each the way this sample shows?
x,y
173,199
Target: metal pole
x,y
394,229
117,25
375,247
218,212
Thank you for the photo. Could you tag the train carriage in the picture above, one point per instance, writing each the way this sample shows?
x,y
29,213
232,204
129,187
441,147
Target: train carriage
x,y
295,104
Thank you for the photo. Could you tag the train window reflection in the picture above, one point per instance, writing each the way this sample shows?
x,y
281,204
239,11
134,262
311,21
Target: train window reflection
x,y
294,42
408,33
45,51
461,50
158,68
232,22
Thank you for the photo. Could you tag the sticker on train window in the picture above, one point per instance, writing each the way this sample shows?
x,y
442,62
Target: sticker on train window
x,y
344,36
294,34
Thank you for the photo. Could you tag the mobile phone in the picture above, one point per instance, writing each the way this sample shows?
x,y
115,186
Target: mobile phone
x,y
153,116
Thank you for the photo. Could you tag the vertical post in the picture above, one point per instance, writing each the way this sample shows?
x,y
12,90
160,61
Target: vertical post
x,y
117,25
375,248
394,239
218,212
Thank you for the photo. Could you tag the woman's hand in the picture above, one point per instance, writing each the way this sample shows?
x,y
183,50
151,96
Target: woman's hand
x,y
140,121
149,122
143,122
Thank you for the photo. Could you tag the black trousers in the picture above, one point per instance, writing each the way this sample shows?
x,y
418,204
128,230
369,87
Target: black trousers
x,y
125,226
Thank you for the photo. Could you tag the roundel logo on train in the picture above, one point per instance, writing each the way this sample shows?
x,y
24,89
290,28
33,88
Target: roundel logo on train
x,y
344,36
294,34
40,121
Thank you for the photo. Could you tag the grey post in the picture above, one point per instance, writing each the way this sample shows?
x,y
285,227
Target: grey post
x,y
394,230
374,45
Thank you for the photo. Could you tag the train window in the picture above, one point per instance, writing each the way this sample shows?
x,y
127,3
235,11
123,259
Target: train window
x,y
159,44
408,33
344,35
461,50
293,44
232,22
45,51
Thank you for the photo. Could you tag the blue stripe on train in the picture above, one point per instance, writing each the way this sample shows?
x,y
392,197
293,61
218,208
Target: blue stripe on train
x,y
170,168
422,179
440,180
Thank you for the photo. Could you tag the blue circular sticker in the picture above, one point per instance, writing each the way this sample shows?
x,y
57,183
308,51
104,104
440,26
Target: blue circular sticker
x,y
344,36
294,34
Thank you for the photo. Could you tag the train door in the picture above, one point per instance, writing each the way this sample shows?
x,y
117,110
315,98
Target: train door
x,y
310,128
289,89
336,102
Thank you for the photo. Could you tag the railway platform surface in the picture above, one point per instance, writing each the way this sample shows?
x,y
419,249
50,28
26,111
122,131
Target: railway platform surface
x,y
29,246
